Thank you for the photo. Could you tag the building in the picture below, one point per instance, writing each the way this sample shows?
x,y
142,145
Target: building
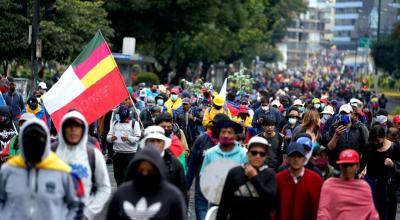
x,y
309,33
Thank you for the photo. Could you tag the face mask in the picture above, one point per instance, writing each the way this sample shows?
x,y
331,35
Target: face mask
x,y
316,106
33,144
33,106
224,141
344,119
321,163
301,109
292,121
12,89
146,184
377,145
265,108
168,133
322,106
174,97
160,102
217,107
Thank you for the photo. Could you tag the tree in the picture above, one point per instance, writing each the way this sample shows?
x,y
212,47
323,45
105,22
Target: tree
x,y
70,26
179,32
13,32
386,53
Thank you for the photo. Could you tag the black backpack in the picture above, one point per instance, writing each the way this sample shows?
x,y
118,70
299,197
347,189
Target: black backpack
x,y
90,148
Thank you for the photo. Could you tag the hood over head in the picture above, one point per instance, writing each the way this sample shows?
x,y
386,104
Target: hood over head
x,y
151,155
34,140
67,152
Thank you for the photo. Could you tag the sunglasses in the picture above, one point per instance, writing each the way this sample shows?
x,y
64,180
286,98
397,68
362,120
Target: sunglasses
x,y
255,153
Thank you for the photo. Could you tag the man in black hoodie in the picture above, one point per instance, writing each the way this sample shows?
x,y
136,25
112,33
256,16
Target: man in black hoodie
x,y
250,189
147,195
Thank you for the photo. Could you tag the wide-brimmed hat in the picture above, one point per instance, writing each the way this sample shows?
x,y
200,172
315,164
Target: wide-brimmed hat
x,y
229,124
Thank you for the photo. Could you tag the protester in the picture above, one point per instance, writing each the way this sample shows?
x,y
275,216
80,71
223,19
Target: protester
x,y
204,142
293,120
277,151
124,134
227,148
33,106
86,162
383,101
346,133
37,184
346,197
243,118
147,194
217,107
321,161
155,136
262,112
15,102
250,189
7,127
298,188
381,162
188,120
174,103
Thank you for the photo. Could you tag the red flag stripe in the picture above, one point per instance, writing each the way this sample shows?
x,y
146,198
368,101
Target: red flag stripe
x,y
97,100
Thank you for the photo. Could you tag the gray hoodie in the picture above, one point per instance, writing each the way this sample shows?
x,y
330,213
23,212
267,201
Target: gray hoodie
x,y
46,191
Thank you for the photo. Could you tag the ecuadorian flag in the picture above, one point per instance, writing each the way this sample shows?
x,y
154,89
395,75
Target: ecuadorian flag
x,y
92,84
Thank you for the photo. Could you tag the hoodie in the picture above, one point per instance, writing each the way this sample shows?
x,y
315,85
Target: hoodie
x,y
165,201
77,157
237,154
44,191
7,128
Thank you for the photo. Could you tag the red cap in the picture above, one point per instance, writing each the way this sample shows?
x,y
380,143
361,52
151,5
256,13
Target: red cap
x,y
348,156
175,90
396,119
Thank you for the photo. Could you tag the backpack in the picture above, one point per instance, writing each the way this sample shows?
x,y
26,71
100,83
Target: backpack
x,y
90,148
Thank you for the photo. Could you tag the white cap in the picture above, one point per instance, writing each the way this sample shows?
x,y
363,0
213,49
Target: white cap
x,y
328,110
27,116
276,102
298,102
346,108
381,119
259,140
155,132
356,102
42,85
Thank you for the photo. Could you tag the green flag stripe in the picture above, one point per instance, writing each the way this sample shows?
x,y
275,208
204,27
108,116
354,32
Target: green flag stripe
x,y
89,48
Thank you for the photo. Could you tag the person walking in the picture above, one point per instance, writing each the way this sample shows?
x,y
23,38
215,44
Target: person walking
x,y
14,102
250,189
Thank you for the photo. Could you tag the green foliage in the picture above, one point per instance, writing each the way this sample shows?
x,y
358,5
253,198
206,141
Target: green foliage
x,y
194,88
148,77
241,81
396,111
179,32
73,25
386,53
13,32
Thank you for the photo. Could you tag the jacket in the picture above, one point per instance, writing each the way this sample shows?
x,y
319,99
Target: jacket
x,y
189,126
171,106
45,191
243,198
260,113
237,154
298,201
77,157
175,173
164,202
7,130
211,112
39,112
355,138
119,129
15,103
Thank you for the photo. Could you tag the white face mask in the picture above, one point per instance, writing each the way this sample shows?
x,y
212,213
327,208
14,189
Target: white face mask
x,y
265,108
174,97
317,106
292,121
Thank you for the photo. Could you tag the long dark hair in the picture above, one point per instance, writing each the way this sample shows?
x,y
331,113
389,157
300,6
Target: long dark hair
x,y
376,132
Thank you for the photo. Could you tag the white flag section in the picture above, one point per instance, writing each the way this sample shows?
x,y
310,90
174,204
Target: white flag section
x,y
222,92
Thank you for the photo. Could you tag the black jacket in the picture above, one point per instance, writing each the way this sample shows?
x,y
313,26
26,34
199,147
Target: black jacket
x,y
244,198
191,131
165,202
175,172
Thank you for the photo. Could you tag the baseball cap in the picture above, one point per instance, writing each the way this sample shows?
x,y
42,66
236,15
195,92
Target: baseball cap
x,y
328,110
175,91
307,142
396,119
42,85
298,102
346,108
258,141
315,101
296,148
348,156
355,102
276,103
186,101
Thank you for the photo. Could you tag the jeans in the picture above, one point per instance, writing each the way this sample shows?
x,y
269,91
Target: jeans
x,y
200,202
120,164
379,194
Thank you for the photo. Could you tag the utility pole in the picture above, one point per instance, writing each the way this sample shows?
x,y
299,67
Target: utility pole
x,y
378,33
35,32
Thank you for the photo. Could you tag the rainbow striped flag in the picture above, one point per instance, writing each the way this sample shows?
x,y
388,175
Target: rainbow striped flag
x,y
92,84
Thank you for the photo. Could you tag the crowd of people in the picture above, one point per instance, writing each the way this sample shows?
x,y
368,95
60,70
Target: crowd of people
x,y
306,147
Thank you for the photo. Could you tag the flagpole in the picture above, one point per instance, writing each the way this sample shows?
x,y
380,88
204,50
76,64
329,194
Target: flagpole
x,y
134,109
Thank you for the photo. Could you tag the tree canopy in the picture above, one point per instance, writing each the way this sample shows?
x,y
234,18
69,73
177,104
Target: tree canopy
x,y
177,32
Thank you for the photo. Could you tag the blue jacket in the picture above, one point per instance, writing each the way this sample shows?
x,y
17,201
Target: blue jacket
x,y
15,103
237,154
